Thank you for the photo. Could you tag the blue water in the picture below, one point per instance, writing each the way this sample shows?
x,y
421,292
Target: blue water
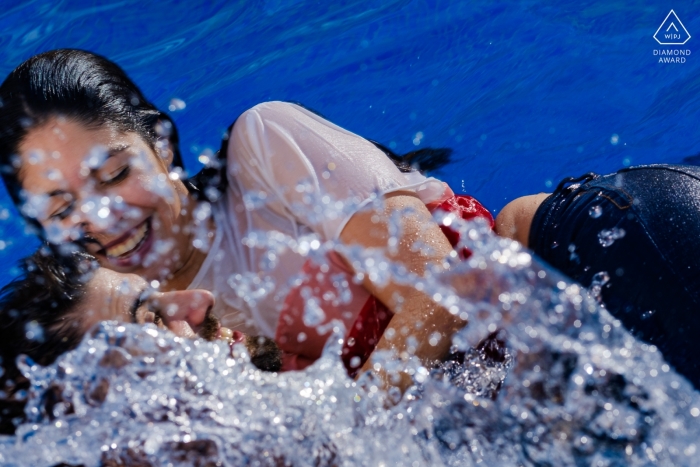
x,y
525,92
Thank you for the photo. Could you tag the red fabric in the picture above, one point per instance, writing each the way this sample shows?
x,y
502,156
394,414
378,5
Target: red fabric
x,y
371,322
302,342
365,333
465,207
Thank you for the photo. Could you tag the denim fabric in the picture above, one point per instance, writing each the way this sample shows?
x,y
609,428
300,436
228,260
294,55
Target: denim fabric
x,y
654,269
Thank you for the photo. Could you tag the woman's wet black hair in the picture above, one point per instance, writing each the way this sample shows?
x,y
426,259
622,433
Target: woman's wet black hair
x,y
423,160
94,91
77,85
35,321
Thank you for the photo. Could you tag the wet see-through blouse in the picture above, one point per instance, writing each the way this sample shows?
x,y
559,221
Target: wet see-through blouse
x,y
294,177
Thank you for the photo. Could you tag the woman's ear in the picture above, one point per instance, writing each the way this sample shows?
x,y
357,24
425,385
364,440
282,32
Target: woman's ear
x,y
164,146
165,150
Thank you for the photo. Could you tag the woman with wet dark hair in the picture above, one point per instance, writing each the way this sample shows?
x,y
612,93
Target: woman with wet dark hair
x,y
87,158
33,321
58,298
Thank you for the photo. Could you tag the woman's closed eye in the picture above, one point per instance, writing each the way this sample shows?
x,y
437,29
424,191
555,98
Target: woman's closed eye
x,y
110,179
145,315
141,311
151,317
115,177
63,211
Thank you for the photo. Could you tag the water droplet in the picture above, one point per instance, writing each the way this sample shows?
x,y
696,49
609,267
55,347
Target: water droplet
x,y
417,138
598,281
176,104
607,237
313,313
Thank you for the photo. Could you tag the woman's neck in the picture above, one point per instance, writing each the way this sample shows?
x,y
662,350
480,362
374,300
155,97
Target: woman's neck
x,y
192,259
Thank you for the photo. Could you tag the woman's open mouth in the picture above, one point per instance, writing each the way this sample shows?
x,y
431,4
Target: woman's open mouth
x,y
130,247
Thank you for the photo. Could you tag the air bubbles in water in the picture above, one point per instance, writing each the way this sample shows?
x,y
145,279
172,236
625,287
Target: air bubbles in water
x,y
595,212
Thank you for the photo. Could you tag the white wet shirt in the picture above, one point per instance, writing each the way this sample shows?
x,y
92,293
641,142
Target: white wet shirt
x,y
292,176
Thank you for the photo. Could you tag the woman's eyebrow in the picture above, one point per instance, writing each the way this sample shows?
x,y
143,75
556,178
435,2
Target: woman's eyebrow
x,y
114,150
56,193
140,300
111,152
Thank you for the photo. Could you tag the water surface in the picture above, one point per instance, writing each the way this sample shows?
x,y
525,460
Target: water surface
x,y
525,92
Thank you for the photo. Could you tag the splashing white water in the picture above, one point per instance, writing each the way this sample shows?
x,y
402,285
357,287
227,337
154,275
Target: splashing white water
x,y
574,388
608,236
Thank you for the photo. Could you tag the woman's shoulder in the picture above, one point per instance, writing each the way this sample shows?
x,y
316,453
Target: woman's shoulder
x,y
268,110
294,119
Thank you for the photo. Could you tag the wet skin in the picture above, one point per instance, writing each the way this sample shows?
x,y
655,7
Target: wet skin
x,y
70,172
515,218
129,298
157,214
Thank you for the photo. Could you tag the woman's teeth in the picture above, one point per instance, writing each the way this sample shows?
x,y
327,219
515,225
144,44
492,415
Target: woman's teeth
x,y
130,243
225,334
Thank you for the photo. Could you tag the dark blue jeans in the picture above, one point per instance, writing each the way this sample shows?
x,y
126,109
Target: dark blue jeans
x,y
641,226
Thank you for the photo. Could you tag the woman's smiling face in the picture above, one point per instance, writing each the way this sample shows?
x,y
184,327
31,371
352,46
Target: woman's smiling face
x,y
109,186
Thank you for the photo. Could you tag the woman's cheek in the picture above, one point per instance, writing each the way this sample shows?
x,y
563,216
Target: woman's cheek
x,y
135,194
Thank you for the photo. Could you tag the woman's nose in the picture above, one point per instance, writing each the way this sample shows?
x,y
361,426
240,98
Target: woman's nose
x,y
99,214
190,306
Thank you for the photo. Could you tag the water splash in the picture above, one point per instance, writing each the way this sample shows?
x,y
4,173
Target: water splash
x,y
599,280
134,394
176,104
313,313
608,236
571,388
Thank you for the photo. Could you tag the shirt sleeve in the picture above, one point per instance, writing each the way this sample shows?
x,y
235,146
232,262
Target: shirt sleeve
x,y
300,165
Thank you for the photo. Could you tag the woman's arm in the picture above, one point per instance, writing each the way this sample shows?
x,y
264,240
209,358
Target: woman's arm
x,y
515,218
416,314
305,165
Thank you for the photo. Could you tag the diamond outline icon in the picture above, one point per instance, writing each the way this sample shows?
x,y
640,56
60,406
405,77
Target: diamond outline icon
x,y
679,22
